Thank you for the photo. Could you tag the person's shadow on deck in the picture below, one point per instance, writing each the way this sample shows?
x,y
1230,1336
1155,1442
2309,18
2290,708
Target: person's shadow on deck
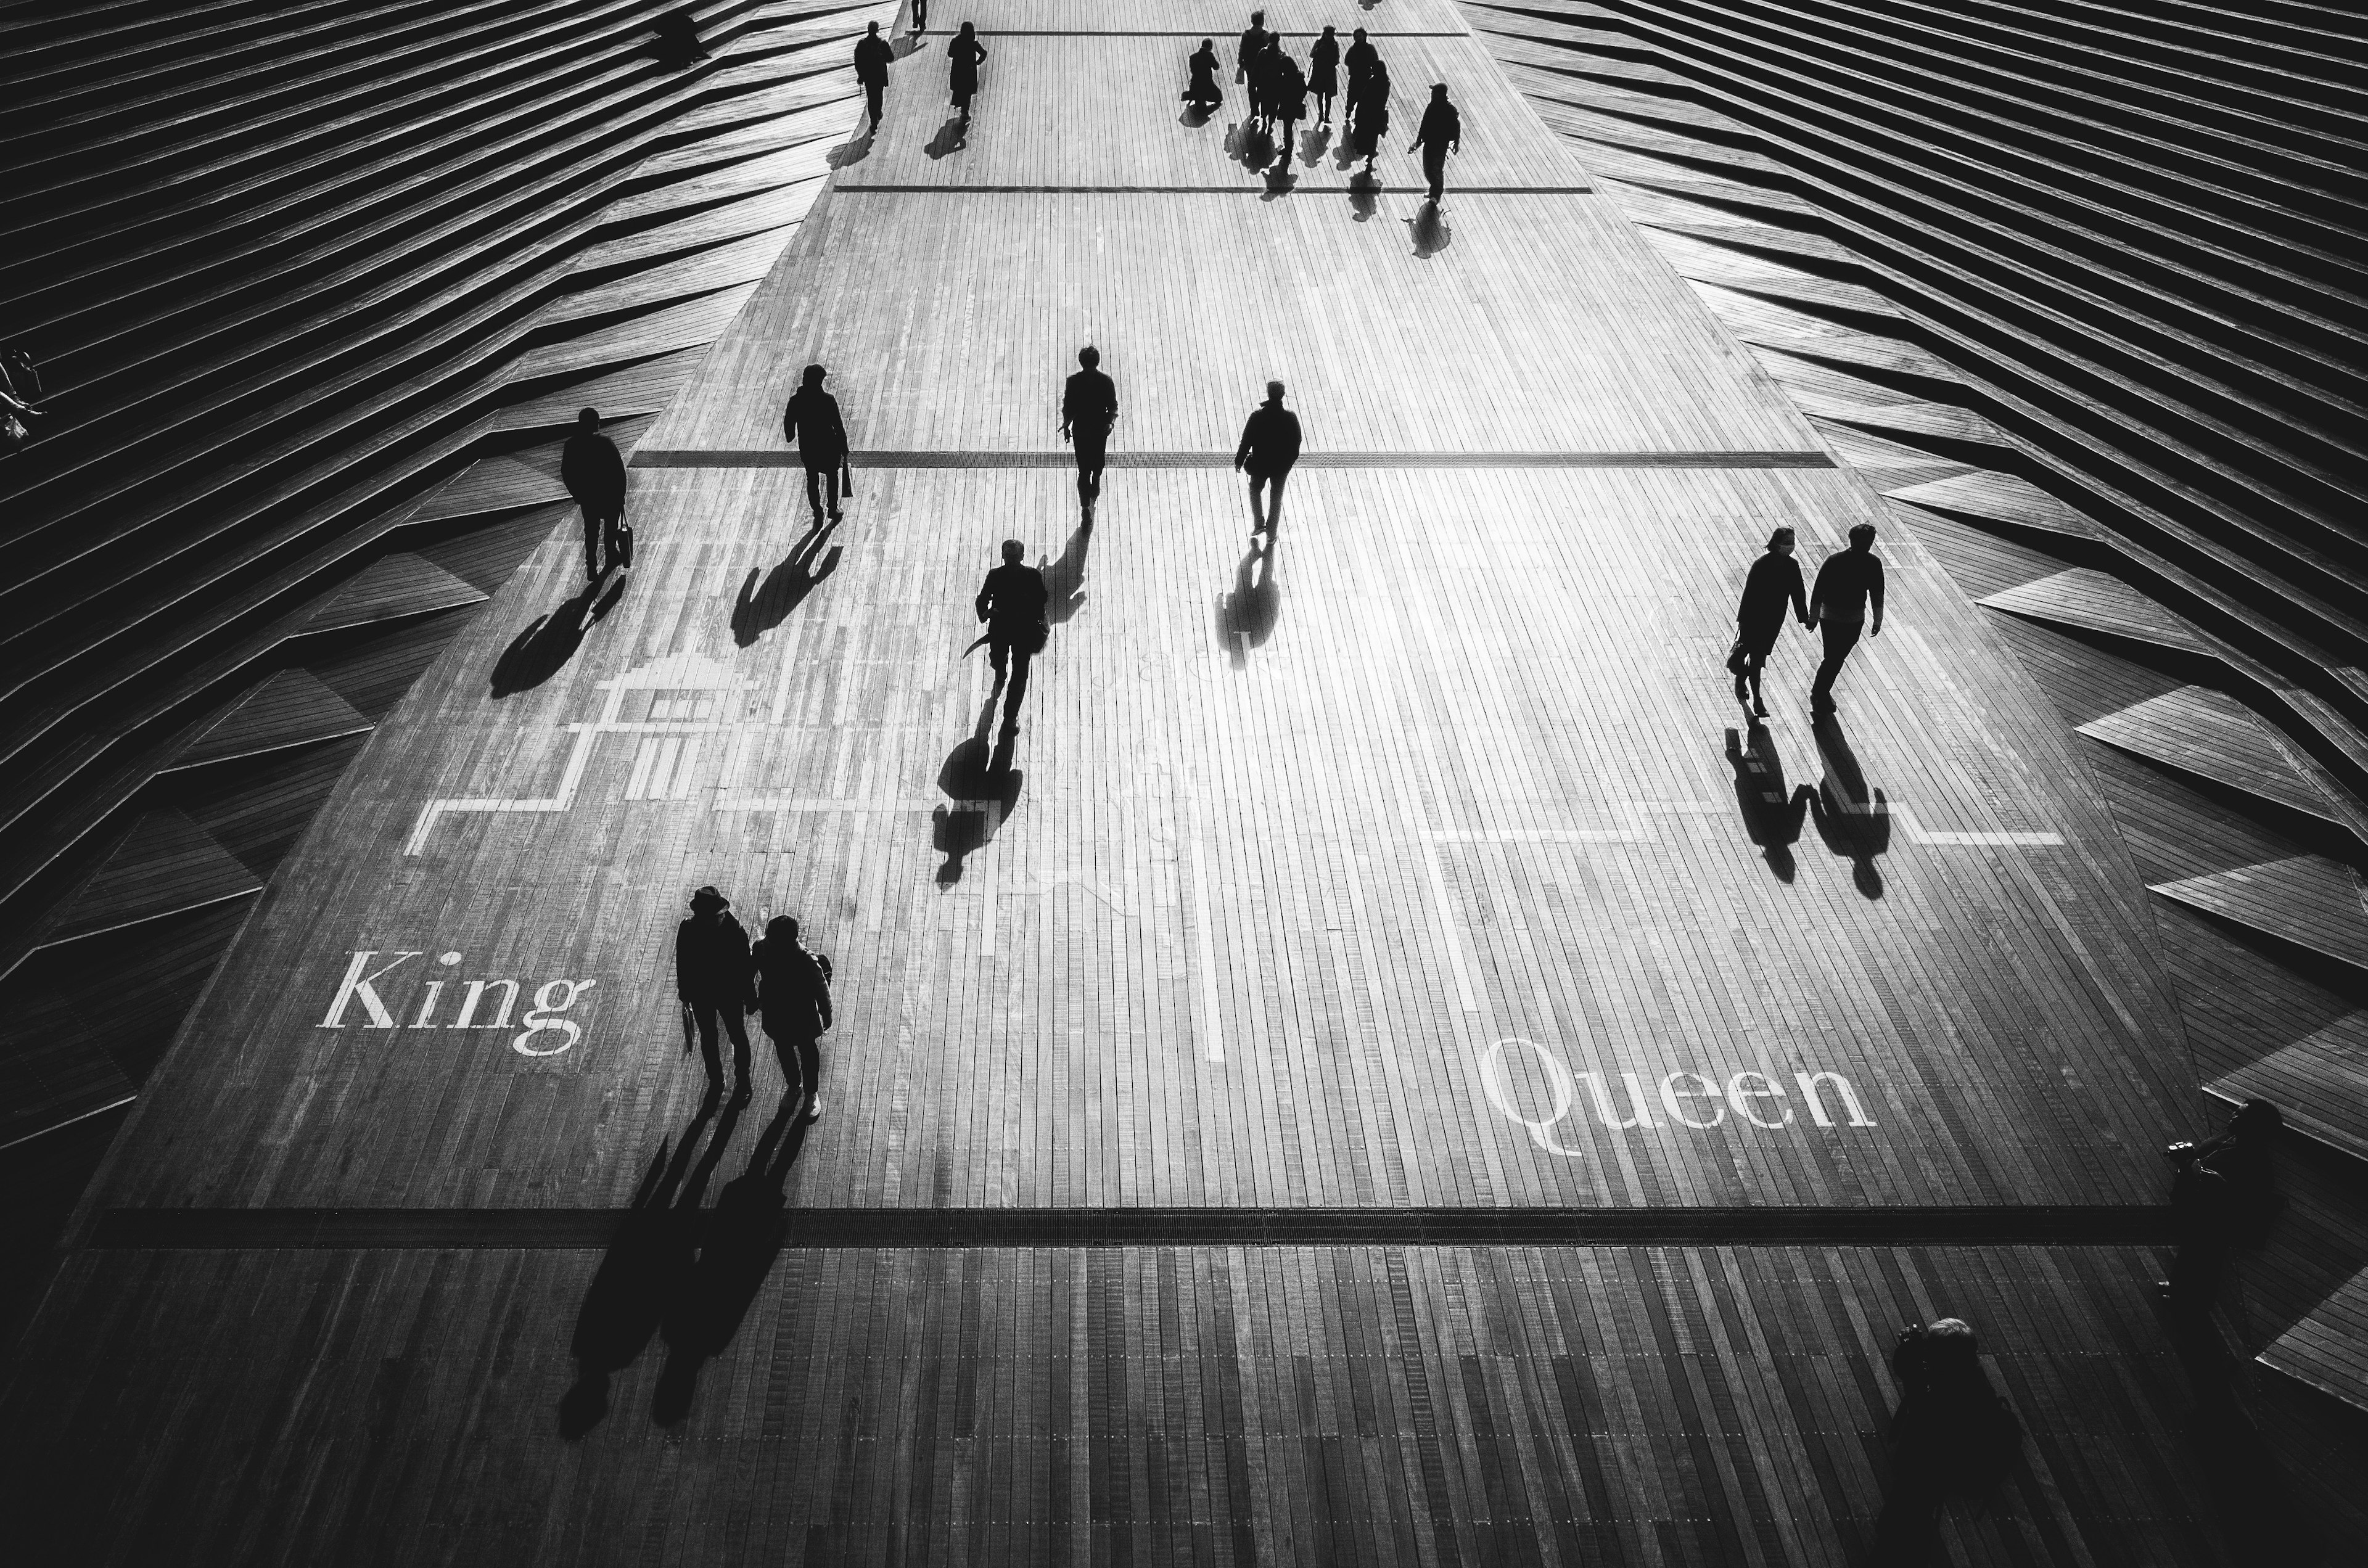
x,y
745,1234
1248,146
1064,579
1281,179
952,138
1364,196
1854,822
1246,616
1312,145
551,639
762,607
984,790
651,1258
1771,818
855,149
1429,227
1195,116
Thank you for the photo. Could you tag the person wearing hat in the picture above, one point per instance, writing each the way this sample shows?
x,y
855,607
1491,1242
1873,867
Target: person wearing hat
x,y
713,977
810,421
1441,132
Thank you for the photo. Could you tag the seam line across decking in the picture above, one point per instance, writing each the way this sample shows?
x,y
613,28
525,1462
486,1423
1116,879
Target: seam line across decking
x,y
548,1229
742,457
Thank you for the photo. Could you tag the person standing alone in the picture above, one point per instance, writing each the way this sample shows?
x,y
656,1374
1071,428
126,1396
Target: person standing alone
x,y
811,423
967,53
595,474
1088,410
1848,600
872,58
1269,446
1441,132
1323,74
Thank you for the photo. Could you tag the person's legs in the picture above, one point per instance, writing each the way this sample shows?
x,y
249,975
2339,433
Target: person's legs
x,y
1434,169
1274,503
998,655
813,493
830,485
735,1024
1840,636
873,92
703,1015
1020,659
595,524
809,1065
1752,665
1258,505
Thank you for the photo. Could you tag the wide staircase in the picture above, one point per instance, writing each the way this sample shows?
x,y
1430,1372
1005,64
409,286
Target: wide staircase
x,y
316,289
2079,287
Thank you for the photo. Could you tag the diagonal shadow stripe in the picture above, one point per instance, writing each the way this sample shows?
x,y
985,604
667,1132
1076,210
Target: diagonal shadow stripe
x,y
562,1229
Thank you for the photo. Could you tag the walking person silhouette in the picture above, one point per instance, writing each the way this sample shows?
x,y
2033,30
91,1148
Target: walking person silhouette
x,y
872,58
1441,132
594,473
1372,107
713,979
1269,446
1773,582
1287,100
1012,604
812,425
793,994
966,52
1323,74
1361,60
1088,410
920,18
1847,601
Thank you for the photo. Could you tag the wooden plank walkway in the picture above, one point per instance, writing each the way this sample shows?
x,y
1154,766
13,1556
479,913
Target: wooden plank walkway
x,y
1416,864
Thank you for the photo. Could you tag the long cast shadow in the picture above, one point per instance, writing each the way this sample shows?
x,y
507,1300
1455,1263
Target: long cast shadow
x,y
984,790
1064,579
744,1236
1246,616
1854,822
653,1255
952,138
1771,818
761,607
551,639
1429,230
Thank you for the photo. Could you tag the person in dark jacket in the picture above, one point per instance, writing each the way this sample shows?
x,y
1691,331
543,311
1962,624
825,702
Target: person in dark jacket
x,y
872,58
1255,39
1774,581
713,978
594,473
1202,92
1360,61
1847,601
811,423
1371,97
793,994
966,54
1952,1433
1440,132
1289,101
1323,74
1269,446
2223,1195
1012,604
1088,410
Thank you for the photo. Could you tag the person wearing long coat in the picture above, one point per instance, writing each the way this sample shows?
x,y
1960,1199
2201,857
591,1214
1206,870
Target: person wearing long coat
x,y
1323,74
1358,62
1773,583
794,998
1372,107
1289,100
966,52
1202,92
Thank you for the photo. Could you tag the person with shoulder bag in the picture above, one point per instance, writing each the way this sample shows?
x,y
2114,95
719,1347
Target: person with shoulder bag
x,y
794,996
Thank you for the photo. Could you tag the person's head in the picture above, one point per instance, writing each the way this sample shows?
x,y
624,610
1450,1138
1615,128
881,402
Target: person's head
x,y
1327,30
1438,92
707,903
588,419
968,30
1274,392
1207,44
1089,356
2256,1119
1359,35
1014,551
1781,542
782,930
813,376
872,27
1258,18
1950,1344
1862,537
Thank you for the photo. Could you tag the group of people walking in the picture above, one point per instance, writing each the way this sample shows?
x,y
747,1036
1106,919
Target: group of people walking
x,y
1279,90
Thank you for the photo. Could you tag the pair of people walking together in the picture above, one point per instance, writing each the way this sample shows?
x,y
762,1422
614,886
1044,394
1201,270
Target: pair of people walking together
x,y
720,978
1846,605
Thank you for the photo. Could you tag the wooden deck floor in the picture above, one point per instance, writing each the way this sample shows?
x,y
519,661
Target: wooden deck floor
x,y
1400,864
